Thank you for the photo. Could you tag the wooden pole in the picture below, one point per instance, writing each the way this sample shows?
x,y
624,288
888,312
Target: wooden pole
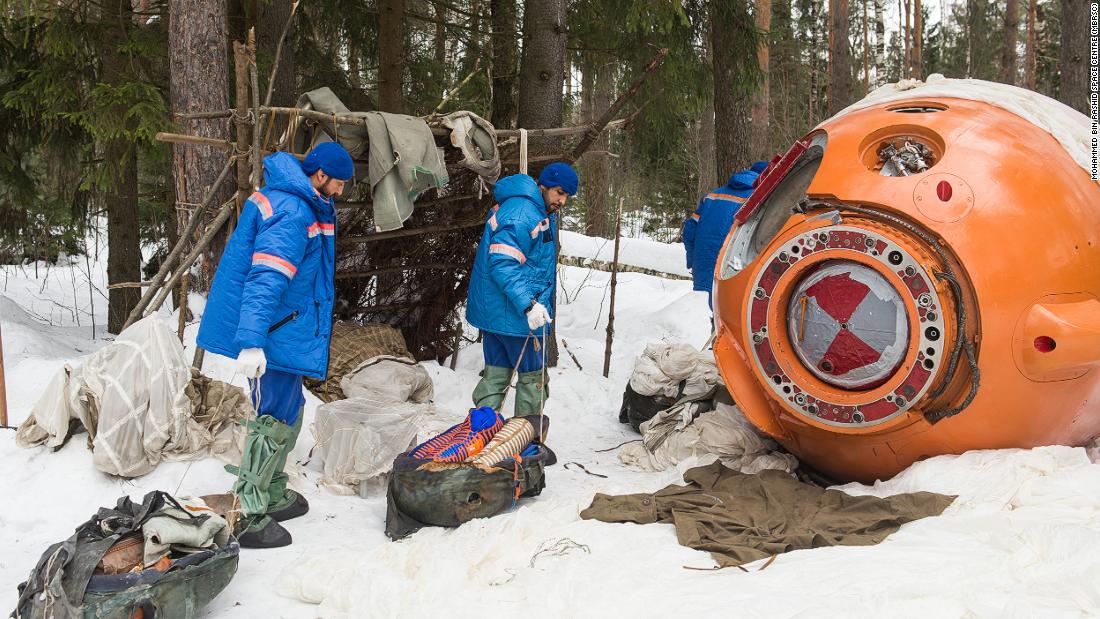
x,y
201,245
394,234
179,138
185,287
434,266
192,225
339,119
240,65
614,282
593,130
257,163
3,388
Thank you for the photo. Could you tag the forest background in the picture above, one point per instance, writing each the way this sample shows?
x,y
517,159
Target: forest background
x,y
85,85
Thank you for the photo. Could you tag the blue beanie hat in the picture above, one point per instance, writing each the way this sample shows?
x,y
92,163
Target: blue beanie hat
x,y
759,166
330,158
559,174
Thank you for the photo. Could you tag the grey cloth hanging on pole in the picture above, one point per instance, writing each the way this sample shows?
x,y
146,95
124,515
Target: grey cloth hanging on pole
x,y
403,160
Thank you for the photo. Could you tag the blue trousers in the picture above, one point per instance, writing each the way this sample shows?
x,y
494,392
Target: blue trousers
x,y
278,394
504,350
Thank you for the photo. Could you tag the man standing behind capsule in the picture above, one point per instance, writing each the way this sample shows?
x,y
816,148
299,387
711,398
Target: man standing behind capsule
x,y
706,229
270,308
512,285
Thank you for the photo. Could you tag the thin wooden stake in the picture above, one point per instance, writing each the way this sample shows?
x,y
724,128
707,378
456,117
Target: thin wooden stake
x,y
3,388
458,344
565,345
185,287
614,282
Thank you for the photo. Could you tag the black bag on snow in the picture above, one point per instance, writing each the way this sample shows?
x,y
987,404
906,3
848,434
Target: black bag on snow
x,y
448,495
638,409
63,584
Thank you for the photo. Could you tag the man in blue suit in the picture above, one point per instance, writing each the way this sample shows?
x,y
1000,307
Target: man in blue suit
x,y
706,229
512,285
270,308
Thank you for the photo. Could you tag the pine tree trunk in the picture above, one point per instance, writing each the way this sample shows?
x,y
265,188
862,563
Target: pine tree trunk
x,y
880,45
355,75
439,50
813,104
1029,60
760,98
916,42
731,22
1008,52
907,39
1073,89
123,243
542,72
504,63
542,75
270,22
123,232
197,50
972,31
473,48
391,55
597,217
840,75
866,52
706,146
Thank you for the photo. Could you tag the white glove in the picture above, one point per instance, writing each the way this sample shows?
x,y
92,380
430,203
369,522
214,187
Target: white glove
x,y
537,316
252,362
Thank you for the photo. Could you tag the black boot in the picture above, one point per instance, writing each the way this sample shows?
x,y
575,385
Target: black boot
x,y
298,507
263,533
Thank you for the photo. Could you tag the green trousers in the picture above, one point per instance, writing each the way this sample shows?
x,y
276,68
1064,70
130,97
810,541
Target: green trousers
x,y
261,481
532,390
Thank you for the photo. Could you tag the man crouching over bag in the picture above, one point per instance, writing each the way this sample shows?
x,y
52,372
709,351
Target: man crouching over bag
x,y
270,308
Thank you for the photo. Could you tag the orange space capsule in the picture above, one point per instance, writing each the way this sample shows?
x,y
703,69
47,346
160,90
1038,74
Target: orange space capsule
x,y
915,278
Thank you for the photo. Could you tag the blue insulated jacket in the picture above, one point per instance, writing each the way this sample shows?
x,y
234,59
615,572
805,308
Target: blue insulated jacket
x,y
705,231
516,260
274,285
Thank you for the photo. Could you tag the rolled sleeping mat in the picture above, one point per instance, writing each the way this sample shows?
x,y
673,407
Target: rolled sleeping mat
x,y
512,439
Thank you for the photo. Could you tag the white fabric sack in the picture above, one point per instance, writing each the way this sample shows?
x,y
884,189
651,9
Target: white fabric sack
x,y
63,399
136,387
358,438
675,434
389,378
664,365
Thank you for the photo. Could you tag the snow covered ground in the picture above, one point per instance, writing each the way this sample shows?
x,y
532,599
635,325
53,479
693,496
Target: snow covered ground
x,y
1022,540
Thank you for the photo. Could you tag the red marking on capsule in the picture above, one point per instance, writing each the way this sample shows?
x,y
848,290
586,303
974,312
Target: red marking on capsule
x,y
944,191
1045,344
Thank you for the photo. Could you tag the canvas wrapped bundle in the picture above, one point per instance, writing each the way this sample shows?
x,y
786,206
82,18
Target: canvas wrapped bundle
x,y
425,492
